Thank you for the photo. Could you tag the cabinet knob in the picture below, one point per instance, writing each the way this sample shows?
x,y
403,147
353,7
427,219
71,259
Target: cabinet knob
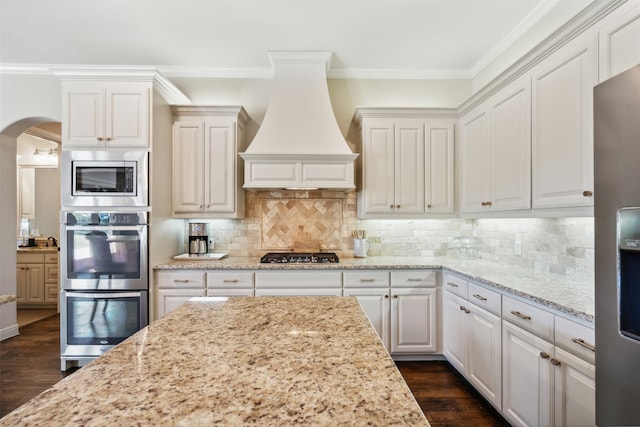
x,y
555,362
391,206
100,139
544,355
462,308
587,193
395,296
429,206
483,204
386,296
489,203
397,206
107,139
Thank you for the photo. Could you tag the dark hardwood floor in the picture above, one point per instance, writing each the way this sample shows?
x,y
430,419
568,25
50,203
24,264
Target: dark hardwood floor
x,y
30,363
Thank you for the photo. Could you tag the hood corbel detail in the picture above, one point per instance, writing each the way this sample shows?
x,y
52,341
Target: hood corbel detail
x,y
299,144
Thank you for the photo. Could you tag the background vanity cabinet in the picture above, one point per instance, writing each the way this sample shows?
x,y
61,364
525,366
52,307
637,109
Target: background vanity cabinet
x,y
207,172
407,162
496,151
173,288
414,312
562,126
106,114
37,279
472,335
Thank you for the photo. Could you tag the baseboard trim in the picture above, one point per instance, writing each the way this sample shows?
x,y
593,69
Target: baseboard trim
x,y
9,331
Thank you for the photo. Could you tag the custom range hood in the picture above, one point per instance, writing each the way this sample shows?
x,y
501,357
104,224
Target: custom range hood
x,y
299,144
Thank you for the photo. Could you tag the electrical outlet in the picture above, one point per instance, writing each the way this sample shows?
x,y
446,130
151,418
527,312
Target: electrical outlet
x,y
518,248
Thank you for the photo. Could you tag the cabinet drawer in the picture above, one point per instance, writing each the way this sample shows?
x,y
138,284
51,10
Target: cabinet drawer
x,y
366,279
414,279
485,298
299,279
180,279
230,279
455,285
24,258
528,317
576,338
51,273
51,258
51,293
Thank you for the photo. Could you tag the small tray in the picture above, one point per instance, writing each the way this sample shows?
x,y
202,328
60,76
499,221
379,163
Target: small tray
x,y
201,257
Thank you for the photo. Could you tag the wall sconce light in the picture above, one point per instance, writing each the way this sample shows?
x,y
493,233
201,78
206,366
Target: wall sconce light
x,y
36,153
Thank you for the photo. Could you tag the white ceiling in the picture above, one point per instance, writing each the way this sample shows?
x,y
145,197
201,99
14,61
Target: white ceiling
x,y
230,38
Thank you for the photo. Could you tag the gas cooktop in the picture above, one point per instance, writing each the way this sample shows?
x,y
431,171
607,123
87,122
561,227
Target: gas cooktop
x,y
300,257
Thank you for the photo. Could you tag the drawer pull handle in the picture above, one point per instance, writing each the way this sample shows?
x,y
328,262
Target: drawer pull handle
x,y
480,297
555,362
465,309
367,280
181,280
544,355
230,281
583,343
520,315
452,284
413,279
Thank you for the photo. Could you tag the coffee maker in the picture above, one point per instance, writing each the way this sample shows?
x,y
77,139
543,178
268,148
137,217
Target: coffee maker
x,y
198,238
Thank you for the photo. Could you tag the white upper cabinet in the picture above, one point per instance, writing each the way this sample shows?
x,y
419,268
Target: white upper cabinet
x,y
496,151
619,41
407,163
98,114
207,173
563,126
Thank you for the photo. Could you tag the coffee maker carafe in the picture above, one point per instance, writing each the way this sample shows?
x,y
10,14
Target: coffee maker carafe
x,y
198,238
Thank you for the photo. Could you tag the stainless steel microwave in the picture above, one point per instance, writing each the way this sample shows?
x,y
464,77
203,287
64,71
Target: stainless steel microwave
x,y
104,178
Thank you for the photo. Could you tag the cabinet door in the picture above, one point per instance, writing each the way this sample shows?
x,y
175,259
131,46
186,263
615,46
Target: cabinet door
x,y
188,167
510,147
484,353
83,115
375,304
562,123
27,193
409,166
575,390
439,168
30,283
474,159
127,115
527,377
454,339
378,166
169,299
413,320
220,169
619,41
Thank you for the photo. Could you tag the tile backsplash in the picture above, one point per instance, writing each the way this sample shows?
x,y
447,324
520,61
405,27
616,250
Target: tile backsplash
x,y
280,220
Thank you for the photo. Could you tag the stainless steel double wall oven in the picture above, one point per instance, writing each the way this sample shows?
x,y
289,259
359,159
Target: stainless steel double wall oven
x,y
104,269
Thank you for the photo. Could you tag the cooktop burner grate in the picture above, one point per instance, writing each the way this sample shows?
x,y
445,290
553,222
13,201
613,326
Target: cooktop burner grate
x,y
300,257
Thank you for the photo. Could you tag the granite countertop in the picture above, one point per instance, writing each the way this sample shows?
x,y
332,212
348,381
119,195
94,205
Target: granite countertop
x,y
247,361
573,297
4,299
35,249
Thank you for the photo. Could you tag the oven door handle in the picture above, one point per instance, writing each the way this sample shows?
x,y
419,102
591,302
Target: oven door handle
x,y
138,228
103,295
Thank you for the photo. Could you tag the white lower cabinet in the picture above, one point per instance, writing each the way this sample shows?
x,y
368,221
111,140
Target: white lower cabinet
x,y
472,338
413,321
170,299
575,390
173,288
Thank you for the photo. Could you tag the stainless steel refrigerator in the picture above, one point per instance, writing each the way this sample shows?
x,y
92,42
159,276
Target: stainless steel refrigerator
x,y
617,249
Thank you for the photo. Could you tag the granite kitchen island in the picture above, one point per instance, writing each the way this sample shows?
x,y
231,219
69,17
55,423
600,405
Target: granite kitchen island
x,y
238,361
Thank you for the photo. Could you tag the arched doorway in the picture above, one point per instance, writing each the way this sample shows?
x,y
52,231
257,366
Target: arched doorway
x,y
8,211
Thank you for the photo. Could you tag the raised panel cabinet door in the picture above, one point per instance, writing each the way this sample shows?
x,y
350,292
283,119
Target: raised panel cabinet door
x,y
619,41
562,127
188,167
83,120
474,159
220,173
575,390
413,320
127,117
378,166
439,171
409,166
454,339
34,283
170,299
484,353
375,304
21,283
527,377
510,136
